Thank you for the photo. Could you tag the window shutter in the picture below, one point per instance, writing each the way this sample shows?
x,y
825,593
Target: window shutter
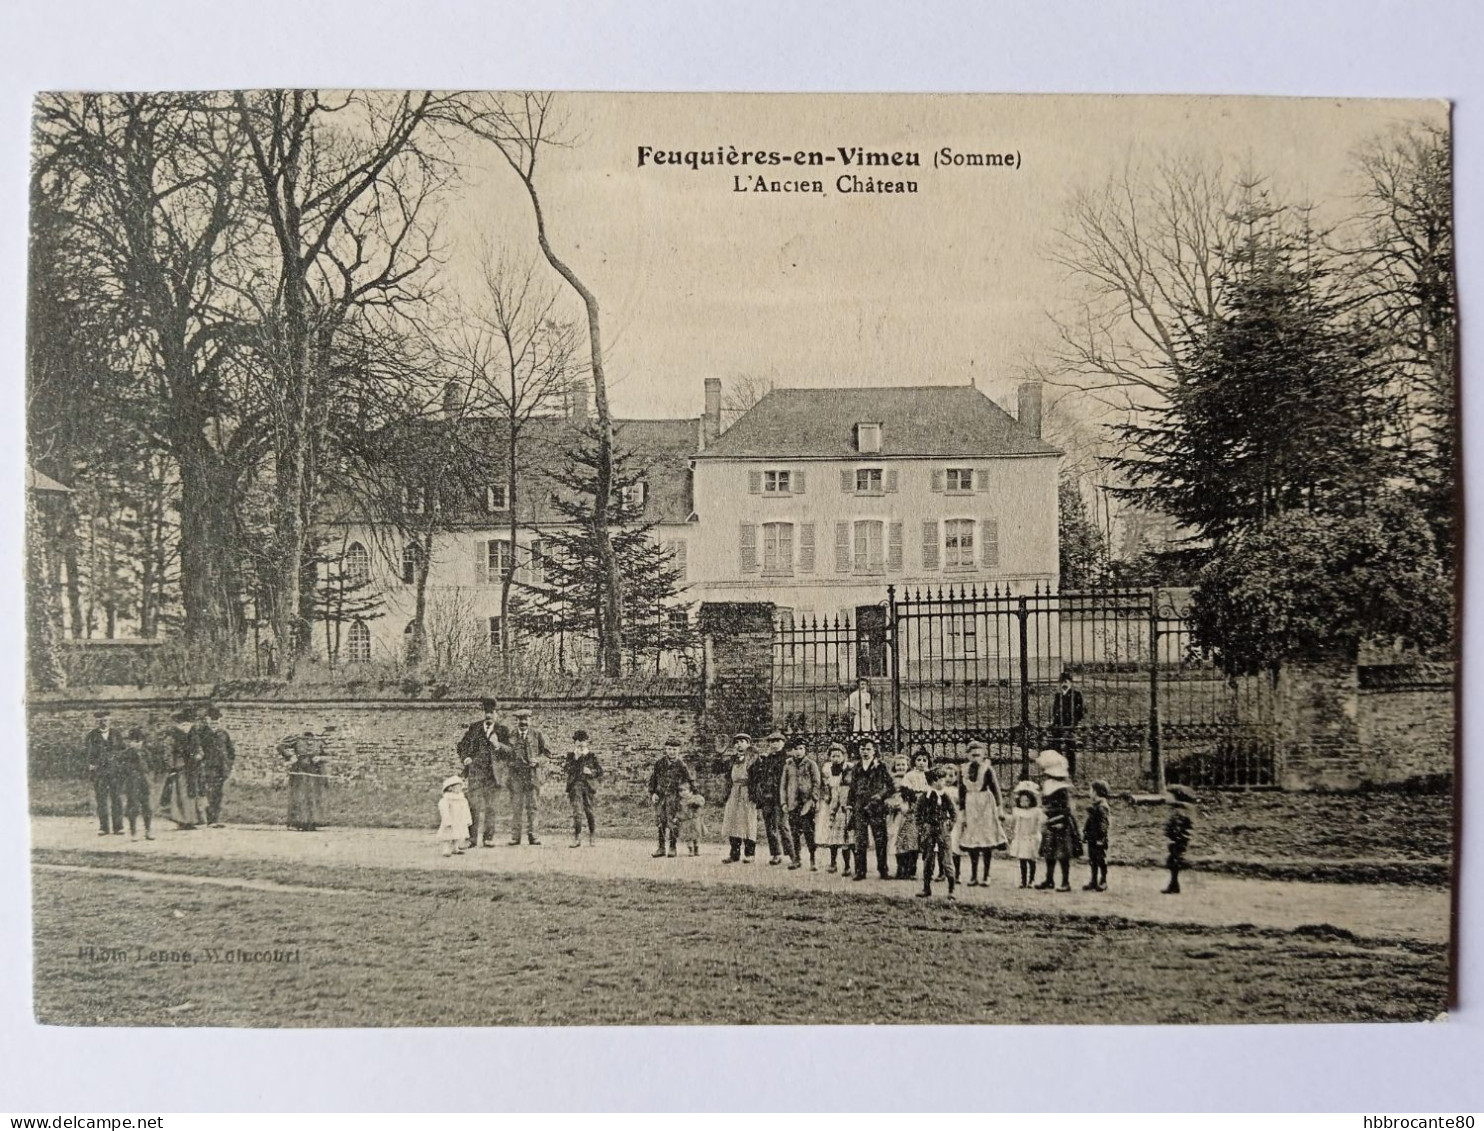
x,y
929,545
938,480
806,547
481,562
785,548
847,481
842,547
981,480
891,480
894,547
749,547
522,568
989,543
678,561
798,480
754,482
538,563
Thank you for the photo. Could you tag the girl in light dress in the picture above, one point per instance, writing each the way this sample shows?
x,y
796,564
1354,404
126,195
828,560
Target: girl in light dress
x,y
980,801
1027,820
453,816
912,783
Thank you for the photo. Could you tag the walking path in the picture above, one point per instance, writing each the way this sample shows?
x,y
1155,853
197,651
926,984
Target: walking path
x,y
1377,911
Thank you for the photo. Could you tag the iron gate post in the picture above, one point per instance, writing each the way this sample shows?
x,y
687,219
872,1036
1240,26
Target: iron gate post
x,y
1156,759
1023,615
896,669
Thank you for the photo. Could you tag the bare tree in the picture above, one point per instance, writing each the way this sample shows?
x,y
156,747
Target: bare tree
x,y
743,390
520,358
345,181
522,127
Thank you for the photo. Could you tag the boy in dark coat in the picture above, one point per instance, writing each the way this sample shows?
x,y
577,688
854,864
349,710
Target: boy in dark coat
x,y
582,772
1178,831
870,786
133,777
936,817
670,773
1095,833
765,786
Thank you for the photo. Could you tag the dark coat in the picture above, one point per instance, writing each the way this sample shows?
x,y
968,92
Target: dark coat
x,y
869,789
1067,708
218,751
765,779
1099,821
668,775
528,757
1178,830
480,757
103,751
582,771
936,816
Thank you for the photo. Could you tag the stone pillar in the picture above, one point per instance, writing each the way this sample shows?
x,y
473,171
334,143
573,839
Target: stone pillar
x,y
738,691
1318,732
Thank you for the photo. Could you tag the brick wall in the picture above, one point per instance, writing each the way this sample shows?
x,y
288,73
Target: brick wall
x,y
383,743
738,642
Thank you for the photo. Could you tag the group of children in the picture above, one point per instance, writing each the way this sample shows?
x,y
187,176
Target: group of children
x,y
936,815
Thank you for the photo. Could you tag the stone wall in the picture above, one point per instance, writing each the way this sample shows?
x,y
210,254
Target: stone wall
x,y
738,696
1341,726
381,742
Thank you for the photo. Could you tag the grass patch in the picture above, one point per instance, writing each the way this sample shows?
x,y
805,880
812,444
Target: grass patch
x,y
430,948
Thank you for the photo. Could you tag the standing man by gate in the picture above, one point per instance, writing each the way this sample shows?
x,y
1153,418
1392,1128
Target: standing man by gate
x,y
528,755
218,755
869,789
765,784
1067,711
104,749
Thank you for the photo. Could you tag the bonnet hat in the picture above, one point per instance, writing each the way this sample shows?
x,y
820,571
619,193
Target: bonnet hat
x,y
1053,764
1029,787
449,783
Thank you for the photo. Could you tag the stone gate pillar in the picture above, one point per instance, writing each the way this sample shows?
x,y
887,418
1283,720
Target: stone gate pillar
x,y
737,694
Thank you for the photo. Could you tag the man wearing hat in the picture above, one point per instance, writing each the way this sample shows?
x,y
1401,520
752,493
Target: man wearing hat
x,y
666,780
800,799
218,754
528,756
1067,710
482,751
739,814
104,749
870,786
765,784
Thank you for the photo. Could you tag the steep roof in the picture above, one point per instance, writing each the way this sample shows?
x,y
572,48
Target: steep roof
x,y
926,420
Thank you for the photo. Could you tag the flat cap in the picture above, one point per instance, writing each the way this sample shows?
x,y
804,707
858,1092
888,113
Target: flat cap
x,y
523,713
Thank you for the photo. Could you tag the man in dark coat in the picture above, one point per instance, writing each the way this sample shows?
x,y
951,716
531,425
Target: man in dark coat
x,y
667,778
104,748
765,785
483,751
1067,711
528,757
582,771
218,754
869,788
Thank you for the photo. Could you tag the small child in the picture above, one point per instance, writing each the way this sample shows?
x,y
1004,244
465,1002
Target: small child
x,y
453,812
936,817
1095,833
692,824
1177,832
133,775
1027,821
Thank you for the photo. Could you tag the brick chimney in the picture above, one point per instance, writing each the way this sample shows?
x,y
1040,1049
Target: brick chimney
x,y
711,418
1028,407
455,399
577,406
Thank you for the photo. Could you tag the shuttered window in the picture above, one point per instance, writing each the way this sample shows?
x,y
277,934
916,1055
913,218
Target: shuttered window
x,y
929,545
958,543
894,547
675,547
747,548
778,548
989,543
870,547
842,546
806,547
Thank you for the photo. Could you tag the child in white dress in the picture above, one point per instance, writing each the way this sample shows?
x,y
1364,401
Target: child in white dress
x,y
453,816
1027,820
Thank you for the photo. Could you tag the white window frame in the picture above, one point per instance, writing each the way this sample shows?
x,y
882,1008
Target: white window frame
x,y
494,632
361,573
493,505
872,492
358,643
953,555
498,561
867,569
965,475
868,437
778,481
778,568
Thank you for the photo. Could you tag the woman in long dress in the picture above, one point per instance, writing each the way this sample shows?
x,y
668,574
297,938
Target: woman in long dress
x,y
829,816
305,756
183,796
983,829
739,814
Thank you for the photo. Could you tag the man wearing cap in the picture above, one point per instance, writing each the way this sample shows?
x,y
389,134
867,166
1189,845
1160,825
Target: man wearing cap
x,y
799,795
528,755
869,788
218,754
669,775
1067,711
104,750
765,784
482,752
739,814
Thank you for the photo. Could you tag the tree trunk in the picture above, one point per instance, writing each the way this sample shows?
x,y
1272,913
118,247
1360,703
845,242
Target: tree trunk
x,y
42,636
204,521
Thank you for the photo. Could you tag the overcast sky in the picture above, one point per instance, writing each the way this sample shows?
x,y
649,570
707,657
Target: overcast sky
x,y
941,287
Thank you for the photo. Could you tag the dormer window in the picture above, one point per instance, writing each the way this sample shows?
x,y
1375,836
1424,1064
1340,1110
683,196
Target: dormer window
x,y
496,497
635,494
868,437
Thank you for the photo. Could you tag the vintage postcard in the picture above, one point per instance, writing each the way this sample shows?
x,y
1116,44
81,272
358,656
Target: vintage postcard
x,y
554,559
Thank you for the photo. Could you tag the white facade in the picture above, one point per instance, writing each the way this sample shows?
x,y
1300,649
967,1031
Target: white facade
x,y
822,537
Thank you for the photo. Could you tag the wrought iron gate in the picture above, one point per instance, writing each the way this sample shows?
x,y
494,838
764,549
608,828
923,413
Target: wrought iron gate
x,y
945,667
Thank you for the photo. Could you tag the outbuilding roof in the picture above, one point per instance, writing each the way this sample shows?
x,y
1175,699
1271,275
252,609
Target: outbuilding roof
x,y
925,420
